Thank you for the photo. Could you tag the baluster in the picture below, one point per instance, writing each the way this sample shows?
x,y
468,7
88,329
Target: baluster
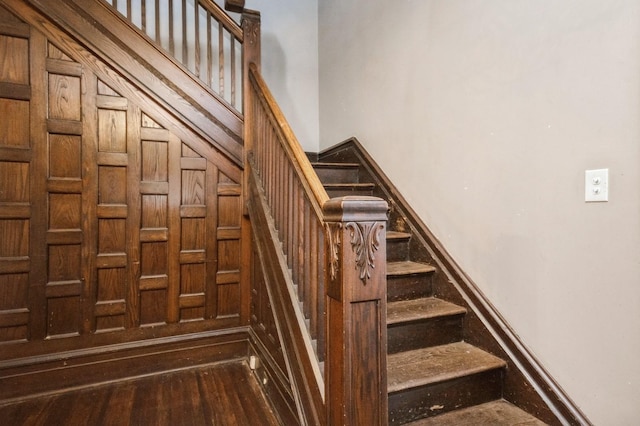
x,y
306,251
319,294
221,61
157,21
209,56
185,47
129,13
290,212
233,69
172,36
293,196
300,240
196,11
311,270
143,15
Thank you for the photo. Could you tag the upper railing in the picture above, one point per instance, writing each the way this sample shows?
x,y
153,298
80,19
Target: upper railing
x,y
199,35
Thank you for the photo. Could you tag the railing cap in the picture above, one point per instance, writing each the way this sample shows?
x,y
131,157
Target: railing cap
x,y
354,208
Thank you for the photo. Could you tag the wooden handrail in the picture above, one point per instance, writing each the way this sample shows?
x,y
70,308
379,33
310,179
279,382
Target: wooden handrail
x,y
308,177
335,250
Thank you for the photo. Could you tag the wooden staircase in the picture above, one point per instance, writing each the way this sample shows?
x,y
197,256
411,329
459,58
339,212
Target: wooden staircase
x,y
434,376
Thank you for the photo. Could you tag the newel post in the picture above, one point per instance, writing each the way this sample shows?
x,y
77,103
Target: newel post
x,y
356,349
251,54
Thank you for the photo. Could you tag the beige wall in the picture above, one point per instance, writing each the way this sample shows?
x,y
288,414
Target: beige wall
x,y
486,113
290,62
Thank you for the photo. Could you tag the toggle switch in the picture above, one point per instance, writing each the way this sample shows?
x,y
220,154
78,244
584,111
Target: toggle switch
x,y
596,185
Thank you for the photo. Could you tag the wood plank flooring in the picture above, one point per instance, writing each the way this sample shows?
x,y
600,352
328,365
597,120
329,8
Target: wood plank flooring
x,y
218,394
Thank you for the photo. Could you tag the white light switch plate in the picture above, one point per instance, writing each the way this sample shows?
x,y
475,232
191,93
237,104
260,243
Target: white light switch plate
x,y
596,185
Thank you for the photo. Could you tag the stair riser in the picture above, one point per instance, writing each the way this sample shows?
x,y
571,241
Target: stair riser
x,y
334,193
408,287
425,333
337,175
431,400
397,250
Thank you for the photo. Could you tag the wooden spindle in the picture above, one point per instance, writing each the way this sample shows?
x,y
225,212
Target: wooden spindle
x,y
185,46
157,20
172,36
233,70
196,29
209,55
143,16
221,61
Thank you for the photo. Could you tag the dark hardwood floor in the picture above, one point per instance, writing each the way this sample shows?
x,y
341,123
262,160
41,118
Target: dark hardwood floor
x,y
220,394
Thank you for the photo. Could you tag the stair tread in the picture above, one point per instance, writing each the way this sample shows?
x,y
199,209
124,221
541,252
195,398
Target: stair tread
x,y
408,267
436,364
498,412
395,235
320,165
420,309
365,185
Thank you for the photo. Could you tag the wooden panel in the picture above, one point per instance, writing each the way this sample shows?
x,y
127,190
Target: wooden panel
x,y
154,211
15,238
65,157
65,211
108,220
14,60
154,161
112,185
64,262
112,131
64,97
111,236
14,182
15,131
14,291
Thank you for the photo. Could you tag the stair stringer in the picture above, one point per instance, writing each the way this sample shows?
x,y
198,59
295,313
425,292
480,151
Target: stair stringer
x,y
526,383
124,52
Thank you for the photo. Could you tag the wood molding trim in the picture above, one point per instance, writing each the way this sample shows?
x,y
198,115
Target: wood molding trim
x,y
49,374
274,381
507,342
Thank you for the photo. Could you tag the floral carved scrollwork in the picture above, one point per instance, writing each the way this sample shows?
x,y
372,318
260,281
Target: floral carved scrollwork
x,y
333,234
365,241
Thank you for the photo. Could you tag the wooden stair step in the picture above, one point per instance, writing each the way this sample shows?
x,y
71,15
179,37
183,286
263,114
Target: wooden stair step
x,y
323,165
408,280
494,413
422,322
405,311
402,268
422,367
350,186
395,235
397,246
337,172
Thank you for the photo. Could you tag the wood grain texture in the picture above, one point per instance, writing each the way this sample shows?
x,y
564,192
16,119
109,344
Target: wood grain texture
x,y
219,394
94,194
489,414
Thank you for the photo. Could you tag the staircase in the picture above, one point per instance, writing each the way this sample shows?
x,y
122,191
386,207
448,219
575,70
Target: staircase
x,y
434,376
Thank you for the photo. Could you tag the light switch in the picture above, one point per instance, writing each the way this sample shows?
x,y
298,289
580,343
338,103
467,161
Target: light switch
x,y
596,185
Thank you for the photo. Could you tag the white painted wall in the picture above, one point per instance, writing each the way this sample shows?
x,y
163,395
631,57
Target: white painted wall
x,y
290,62
485,114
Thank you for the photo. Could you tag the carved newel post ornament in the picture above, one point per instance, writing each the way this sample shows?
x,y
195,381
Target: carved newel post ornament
x,y
356,388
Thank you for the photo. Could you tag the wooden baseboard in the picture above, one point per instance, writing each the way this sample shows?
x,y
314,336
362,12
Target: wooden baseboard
x,y
274,381
37,376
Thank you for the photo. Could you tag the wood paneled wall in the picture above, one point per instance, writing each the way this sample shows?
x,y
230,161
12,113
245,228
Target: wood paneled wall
x,y
116,222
